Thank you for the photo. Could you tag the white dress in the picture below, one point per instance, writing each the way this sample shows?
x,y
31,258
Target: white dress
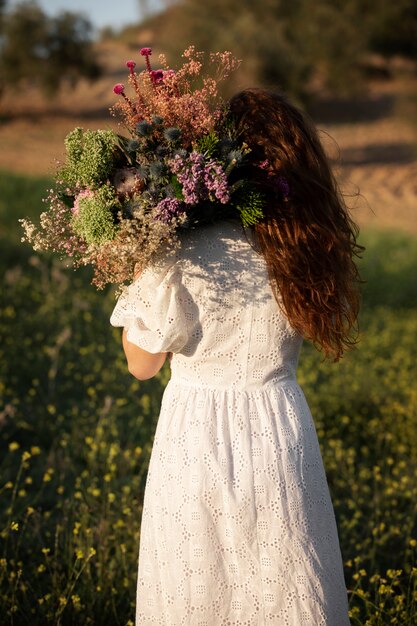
x,y
238,527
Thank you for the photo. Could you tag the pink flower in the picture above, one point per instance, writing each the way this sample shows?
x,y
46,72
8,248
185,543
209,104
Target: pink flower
x,y
131,65
146,52
85,193
119,89
157,76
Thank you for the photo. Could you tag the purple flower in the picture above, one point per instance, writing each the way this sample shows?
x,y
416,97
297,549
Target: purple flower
x,y
200,180
168,208
215,181
119,88
282,185
131,65
190,173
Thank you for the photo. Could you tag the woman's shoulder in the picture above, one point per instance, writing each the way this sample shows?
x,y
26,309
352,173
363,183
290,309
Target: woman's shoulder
x,y
222,256
215,239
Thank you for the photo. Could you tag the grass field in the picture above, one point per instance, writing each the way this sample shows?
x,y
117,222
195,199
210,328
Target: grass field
x,y
76,436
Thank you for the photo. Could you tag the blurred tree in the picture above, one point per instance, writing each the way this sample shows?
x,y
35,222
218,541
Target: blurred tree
x,y
393,27
254,31
43,50
327,34
2,7
300,46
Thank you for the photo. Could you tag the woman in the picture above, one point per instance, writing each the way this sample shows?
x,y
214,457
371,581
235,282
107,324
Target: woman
x,y
238,526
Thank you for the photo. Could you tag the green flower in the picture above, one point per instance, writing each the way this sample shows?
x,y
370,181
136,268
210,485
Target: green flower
x,y
90,157
94,220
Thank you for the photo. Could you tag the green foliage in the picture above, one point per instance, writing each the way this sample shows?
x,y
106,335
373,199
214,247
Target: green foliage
x,y
43,50
94,220
389,270
77,432
207,144
89,157
249,202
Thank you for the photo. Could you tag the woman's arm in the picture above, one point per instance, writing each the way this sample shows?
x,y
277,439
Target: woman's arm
x,y
141,364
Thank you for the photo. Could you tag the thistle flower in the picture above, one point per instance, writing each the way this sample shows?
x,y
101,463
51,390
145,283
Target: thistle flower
x,y
226,145
172,134
132,145
234,155
156,169
143,128
143,171
161,151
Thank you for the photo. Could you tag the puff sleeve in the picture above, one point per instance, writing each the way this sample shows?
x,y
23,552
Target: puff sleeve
x,y
151,310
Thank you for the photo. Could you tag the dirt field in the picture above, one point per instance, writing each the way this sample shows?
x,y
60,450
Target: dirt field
x,y
374,151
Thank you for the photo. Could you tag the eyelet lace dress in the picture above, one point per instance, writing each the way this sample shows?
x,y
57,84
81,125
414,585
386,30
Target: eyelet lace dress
x,y
238,528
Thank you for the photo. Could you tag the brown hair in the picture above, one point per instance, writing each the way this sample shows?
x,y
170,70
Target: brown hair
x,y
306,236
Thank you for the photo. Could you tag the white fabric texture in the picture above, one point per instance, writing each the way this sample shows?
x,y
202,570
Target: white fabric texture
x,y
237,527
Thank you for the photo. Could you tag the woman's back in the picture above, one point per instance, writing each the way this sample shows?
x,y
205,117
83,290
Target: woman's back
x,y
223,312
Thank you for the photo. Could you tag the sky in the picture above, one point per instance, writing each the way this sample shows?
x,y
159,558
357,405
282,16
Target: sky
x,y
101,13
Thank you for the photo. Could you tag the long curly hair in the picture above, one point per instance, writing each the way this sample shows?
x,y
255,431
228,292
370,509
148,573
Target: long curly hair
x,y
307,237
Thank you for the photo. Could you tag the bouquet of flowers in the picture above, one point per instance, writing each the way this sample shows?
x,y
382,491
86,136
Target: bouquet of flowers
x,y
118,201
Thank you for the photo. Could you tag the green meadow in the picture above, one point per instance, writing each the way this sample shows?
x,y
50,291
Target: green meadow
x,y
76,437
